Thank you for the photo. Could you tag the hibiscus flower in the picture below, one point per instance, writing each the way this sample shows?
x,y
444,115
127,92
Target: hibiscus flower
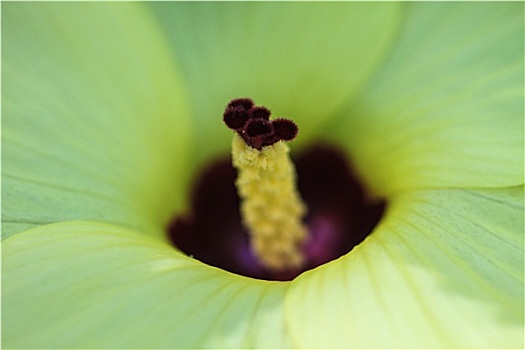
x,y
111,109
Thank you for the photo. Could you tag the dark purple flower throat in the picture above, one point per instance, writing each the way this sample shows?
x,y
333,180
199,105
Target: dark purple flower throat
x,y
339,217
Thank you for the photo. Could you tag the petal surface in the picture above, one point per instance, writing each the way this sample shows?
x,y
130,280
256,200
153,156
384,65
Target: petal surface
x,y
301,60
90,285
443,270
93,117
446,108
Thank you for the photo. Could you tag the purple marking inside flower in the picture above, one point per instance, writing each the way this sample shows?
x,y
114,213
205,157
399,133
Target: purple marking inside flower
x,y
339,216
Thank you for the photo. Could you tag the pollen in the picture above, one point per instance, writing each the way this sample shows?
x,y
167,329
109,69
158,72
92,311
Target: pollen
x,y
271,207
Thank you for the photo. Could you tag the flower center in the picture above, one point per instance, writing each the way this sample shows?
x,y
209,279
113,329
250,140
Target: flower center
x,y
276,238
271,208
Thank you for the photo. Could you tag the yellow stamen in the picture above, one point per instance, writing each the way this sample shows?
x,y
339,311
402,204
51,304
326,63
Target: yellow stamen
x,y
271,207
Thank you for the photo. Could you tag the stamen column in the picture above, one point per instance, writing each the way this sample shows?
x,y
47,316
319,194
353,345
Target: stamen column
x,y
271,207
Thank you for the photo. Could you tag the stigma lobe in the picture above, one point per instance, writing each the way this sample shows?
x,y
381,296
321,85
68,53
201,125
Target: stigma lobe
x,y
254,126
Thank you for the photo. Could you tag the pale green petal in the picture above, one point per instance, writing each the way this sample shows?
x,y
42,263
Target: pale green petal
x,y
445,270
93,117
302,60
446,109
88,285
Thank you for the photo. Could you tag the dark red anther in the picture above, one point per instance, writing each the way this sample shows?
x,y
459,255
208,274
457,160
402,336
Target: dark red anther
x,y
257,132
285,129
260,113
258,127
245,103
235,117
253,124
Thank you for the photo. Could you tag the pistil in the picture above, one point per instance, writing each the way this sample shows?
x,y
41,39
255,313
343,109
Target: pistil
x,y
271,207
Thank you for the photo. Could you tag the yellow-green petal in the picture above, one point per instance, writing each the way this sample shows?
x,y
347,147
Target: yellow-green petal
x,y
444,270
446,108
94,118
304,61
89,285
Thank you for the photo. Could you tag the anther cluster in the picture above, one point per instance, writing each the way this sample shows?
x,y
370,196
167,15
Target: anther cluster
x,y
254,126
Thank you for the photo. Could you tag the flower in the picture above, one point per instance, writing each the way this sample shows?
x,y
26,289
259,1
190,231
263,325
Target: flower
x,y
109,109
